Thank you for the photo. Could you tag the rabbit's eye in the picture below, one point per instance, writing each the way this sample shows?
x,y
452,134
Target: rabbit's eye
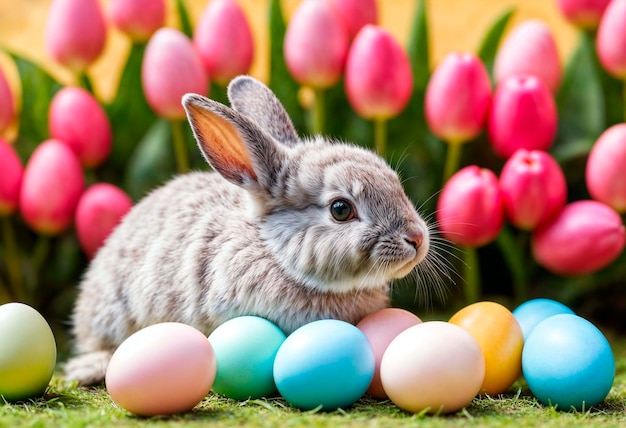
x,y
342,210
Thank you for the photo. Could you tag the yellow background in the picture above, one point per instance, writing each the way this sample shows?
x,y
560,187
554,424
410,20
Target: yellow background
x,y
455,25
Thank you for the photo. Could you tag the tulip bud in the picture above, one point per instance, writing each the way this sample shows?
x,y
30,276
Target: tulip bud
x,y
139,19
170,69
52,184
457,98
584,14
523,115
605,175
99,211
378,79
77,119
585,237
611,39
10,178
355,14
223,40
533,187
470,210
529,49
75,32
7,106
316,45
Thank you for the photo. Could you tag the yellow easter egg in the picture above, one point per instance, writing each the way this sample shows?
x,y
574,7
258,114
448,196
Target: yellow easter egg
x,y
500,339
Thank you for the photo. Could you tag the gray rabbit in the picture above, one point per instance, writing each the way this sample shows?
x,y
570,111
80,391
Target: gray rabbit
x,y
287,229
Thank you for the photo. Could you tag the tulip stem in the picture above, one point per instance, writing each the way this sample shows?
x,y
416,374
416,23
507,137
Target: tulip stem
x,y
380,136
12,259
90,176
180,149
318,121
4,294
453,159
471,274
624,97
84,82
40,252
513,252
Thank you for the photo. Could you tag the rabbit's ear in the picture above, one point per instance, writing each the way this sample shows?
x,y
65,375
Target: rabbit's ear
x,y
234,145
256,101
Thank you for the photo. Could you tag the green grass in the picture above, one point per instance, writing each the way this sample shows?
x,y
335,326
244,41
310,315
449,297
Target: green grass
x,y
65,405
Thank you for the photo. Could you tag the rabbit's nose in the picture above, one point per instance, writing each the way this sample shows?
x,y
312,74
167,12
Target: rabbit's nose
x,y
414,238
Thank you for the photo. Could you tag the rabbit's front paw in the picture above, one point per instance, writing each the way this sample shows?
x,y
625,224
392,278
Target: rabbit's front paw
x,y
88,369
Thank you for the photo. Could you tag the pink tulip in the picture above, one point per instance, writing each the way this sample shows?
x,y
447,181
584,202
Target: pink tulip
x,y
611,39
75,32
77,119
585,237
10,178
534,188
7,105
99,210
583,13
529,49
171,68
53,182
470,210
378,79
457,98
316,45
223,40
139,19
355,14
523,116
605,174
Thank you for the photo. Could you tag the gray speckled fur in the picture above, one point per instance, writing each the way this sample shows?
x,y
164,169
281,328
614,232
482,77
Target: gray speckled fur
x,y
204,248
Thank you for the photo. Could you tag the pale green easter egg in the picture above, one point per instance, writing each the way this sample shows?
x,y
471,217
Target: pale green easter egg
x,y
27,352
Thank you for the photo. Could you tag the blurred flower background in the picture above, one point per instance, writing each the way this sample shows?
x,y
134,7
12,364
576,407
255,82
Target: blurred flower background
x,y
505,120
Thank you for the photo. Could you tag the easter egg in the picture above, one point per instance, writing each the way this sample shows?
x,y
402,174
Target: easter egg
x,y
567,362
162,369
245,348
532,312
501,340
381,327
327,363
27,352
434,366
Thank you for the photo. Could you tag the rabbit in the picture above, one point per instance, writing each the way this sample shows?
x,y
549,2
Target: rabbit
x,y
292,230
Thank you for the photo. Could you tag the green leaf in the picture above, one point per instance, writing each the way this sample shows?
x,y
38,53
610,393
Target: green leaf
x,y
63,266
152,162
280,81
38,89
418,47
183,16
489,45
218,93
341,121
129,113
418,156
614,95
580,103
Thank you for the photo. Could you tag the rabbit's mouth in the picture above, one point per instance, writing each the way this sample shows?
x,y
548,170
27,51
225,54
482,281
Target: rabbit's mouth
x,y
407,267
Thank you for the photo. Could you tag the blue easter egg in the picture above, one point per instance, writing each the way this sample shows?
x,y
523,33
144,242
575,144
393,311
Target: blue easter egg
x,y
245,348
567,362
327,363
532,312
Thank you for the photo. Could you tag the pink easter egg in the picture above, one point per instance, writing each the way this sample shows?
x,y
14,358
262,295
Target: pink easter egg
x,y
380,328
